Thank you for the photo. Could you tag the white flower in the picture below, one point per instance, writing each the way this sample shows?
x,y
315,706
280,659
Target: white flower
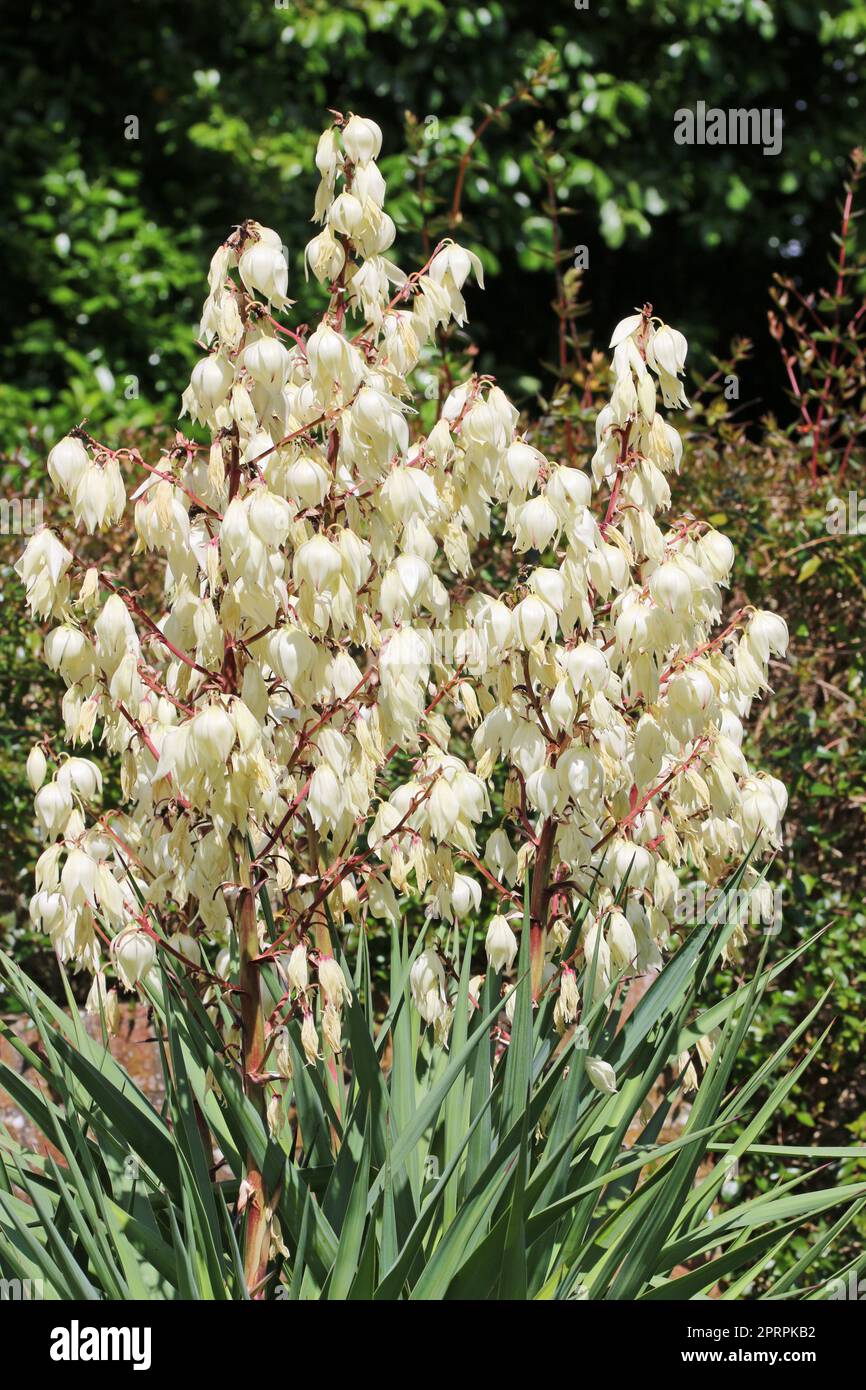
x,y
325,256
134,954
212,735
211,382
333,362
332,981
115,632
536,523
717,554
43,567
332,1027
53,805
317,616
768,632
671,586
99,496
620,939
82,775
500,945
465,896
427,984
281,1054
362,139
309,1039
346,215
325,797
298,968
568,1000
263,267
669,349
601,1075
587,668
36,767
625,328
48,911
267,362
532,618
102,1003
67,463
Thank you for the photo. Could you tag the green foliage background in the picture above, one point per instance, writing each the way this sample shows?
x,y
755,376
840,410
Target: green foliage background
x,y
111,235
108,240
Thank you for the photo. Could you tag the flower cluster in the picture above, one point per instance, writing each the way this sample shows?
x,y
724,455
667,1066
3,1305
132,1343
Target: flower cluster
x,y
323,627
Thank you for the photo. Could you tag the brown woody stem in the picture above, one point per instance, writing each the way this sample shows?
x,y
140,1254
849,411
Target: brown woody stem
x,y
253,1052
538,904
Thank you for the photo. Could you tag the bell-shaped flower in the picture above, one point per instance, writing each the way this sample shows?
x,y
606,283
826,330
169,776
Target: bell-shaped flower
x,y
317,563
500,945
325,256
212,737
67,463
362,139
134,954
268,362
263,267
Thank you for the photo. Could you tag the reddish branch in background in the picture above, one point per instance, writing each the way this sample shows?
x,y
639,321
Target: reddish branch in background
x,y
822,339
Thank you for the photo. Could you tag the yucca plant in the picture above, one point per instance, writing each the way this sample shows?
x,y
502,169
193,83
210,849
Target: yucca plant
x,y
482,1172
339,726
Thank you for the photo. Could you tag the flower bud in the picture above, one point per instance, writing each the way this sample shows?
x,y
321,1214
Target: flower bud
x,y
36,767
601,1075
